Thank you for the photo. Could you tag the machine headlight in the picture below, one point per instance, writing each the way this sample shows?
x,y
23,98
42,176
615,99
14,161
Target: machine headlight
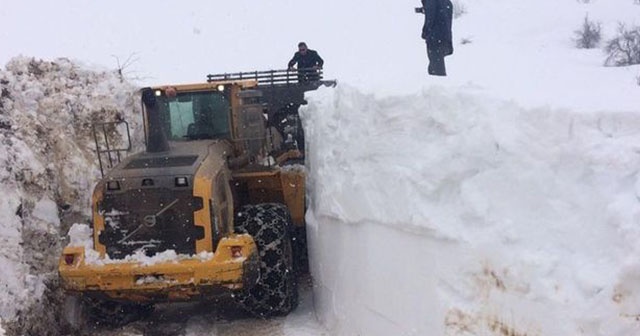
x,y
182,181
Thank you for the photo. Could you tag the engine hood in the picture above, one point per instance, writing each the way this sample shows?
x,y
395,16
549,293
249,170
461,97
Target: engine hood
x,y
148,201
182,159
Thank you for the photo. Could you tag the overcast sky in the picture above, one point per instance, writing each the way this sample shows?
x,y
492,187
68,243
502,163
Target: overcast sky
x,y
374,46
183,41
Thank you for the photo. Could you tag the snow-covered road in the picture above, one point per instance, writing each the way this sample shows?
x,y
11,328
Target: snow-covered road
x,y
223,318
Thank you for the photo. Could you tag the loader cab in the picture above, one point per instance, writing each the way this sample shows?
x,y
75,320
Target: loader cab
x,y
196,115
193,112
224,110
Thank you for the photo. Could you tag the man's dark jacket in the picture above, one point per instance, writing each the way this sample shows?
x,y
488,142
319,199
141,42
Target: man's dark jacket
x,y
309,60
436,31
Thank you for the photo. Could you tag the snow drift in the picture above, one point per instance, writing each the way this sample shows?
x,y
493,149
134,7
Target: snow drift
x,y
47,170
444,213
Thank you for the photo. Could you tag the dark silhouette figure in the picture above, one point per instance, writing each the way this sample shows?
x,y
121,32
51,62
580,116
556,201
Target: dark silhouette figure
x,y
308,63
436,32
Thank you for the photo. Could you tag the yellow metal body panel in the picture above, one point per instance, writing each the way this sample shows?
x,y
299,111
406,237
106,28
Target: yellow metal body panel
x,y
204,186
245,84
173,280
293,189
98,219
280,186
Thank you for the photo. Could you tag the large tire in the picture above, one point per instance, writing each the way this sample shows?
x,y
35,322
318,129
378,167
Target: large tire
x,y
276,292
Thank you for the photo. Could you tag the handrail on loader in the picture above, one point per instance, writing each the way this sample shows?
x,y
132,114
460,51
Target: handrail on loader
x,y
286,77
104,147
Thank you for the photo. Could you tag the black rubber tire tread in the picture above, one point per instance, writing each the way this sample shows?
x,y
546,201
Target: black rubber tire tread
x,y
115,314
276,292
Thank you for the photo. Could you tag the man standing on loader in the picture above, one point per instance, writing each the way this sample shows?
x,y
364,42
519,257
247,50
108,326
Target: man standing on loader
x,y
309,62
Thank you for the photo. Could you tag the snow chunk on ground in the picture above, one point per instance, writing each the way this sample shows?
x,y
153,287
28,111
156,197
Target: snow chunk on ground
x,y
80,235
47,210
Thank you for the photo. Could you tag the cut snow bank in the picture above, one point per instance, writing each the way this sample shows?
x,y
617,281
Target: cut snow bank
x,y
47,170
443,213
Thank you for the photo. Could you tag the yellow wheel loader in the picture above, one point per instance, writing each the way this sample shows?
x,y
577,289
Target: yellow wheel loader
x,y
221,185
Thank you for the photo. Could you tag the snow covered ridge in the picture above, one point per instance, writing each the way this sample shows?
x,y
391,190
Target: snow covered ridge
x,y
48,163
457,214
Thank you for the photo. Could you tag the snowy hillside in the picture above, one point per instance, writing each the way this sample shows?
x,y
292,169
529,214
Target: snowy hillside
x,y
500,200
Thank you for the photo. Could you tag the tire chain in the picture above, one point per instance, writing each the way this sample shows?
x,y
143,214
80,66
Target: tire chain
x,y
272,295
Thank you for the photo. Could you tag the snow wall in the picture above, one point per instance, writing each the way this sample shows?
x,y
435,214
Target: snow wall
x,y
443,213
48,167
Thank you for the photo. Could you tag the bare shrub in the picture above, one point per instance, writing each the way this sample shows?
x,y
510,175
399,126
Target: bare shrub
x,y
124,69
588,36
624,49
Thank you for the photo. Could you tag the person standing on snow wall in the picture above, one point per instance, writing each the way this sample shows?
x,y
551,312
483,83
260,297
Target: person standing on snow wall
x,y
436,32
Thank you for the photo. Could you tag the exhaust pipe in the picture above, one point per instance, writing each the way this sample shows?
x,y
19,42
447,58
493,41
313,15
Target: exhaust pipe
x,y
157,141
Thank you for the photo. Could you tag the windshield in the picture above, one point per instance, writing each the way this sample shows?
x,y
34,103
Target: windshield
x,y
196,115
